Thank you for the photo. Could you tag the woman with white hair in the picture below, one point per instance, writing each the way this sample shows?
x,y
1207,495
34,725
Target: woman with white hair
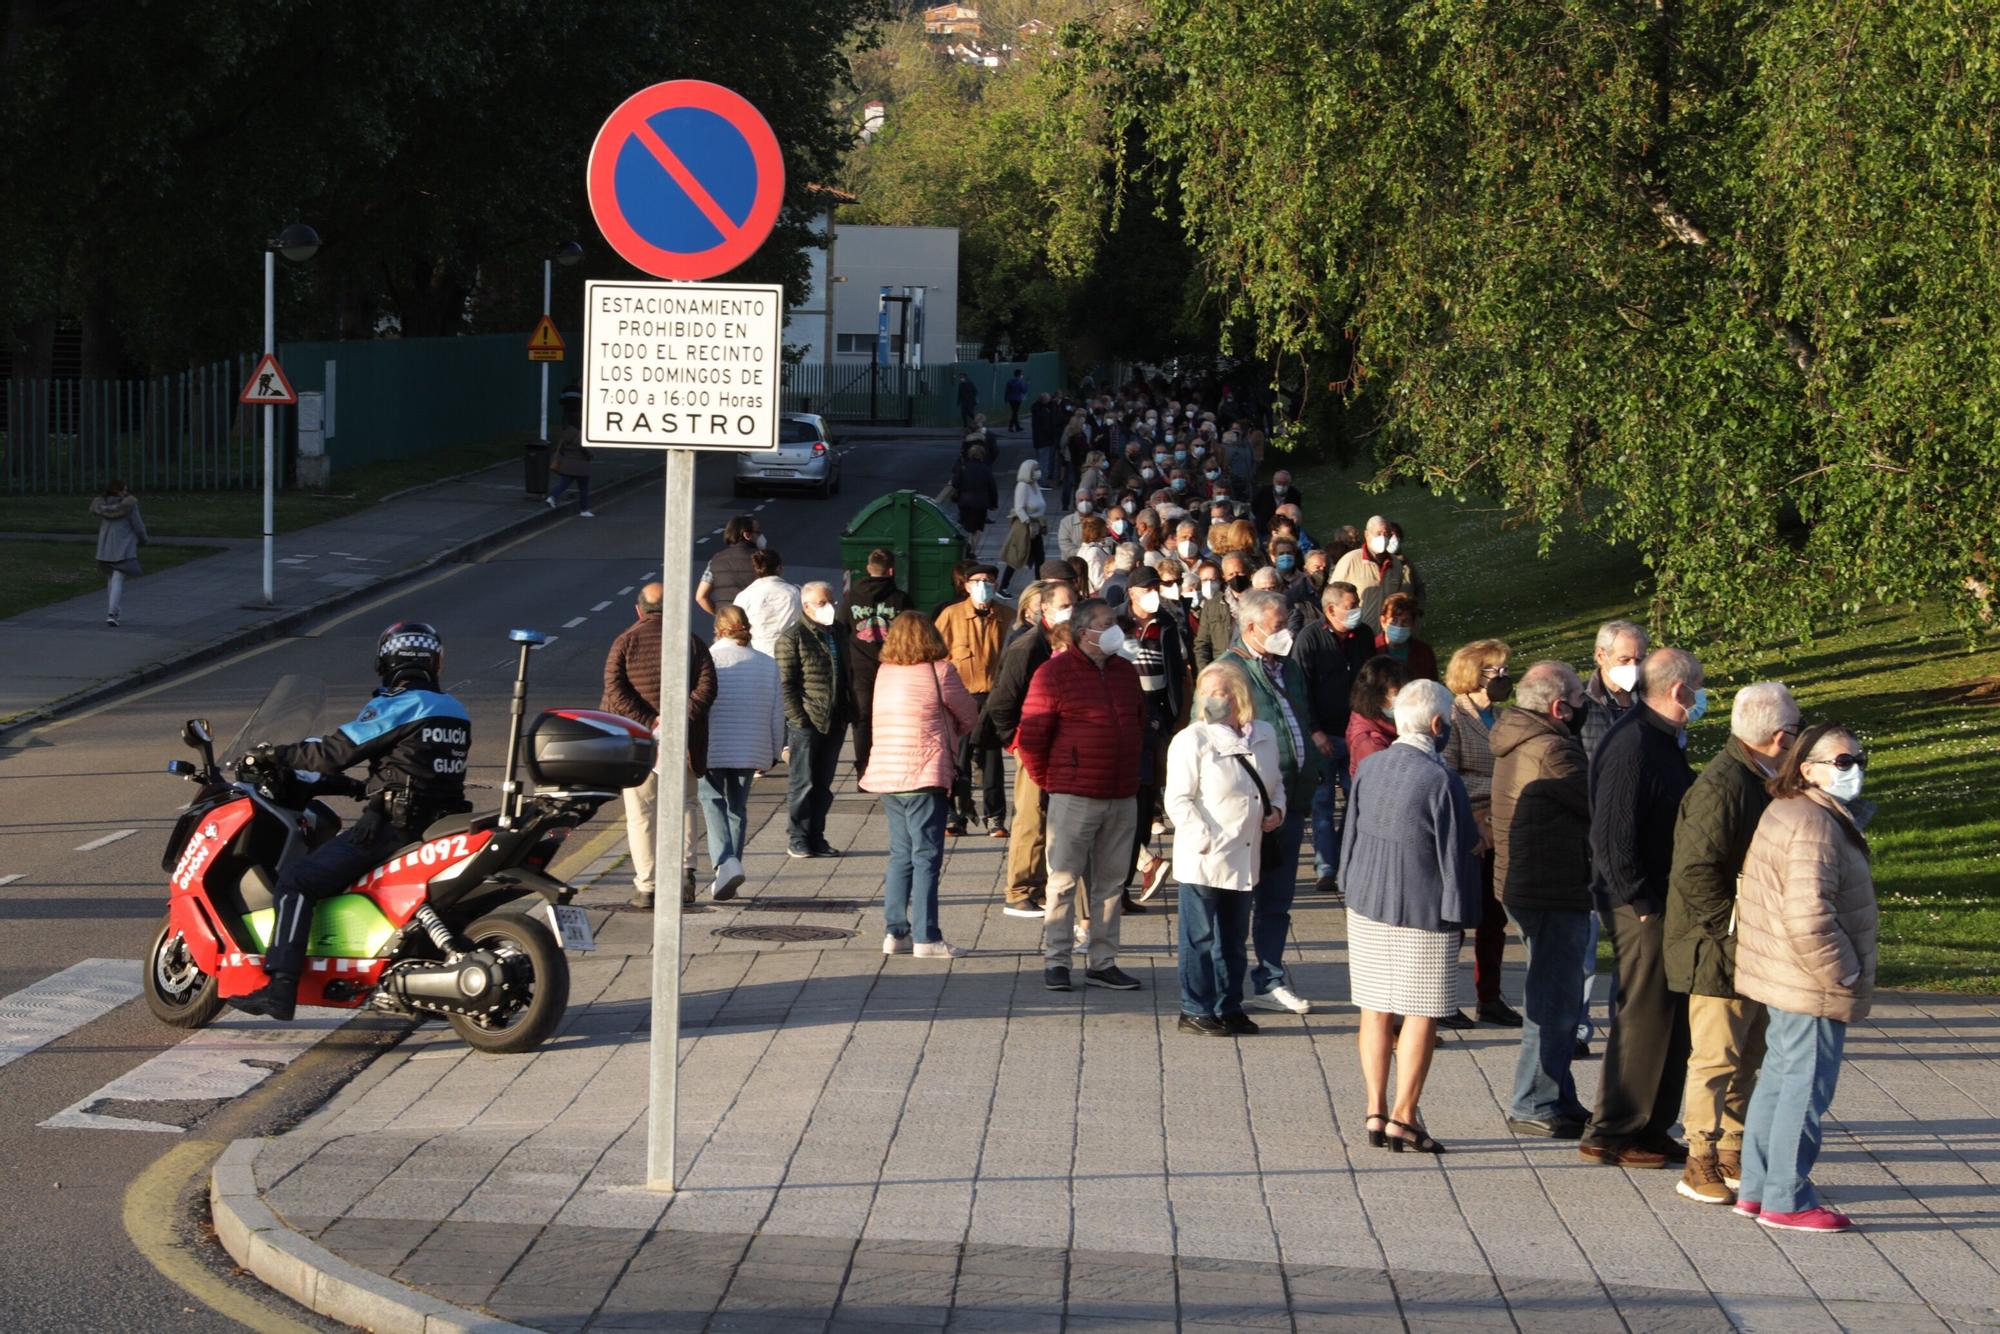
x,y
1413,885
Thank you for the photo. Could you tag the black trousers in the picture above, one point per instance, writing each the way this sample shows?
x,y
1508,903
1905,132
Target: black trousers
x,y
1646,1056
322,873
992,775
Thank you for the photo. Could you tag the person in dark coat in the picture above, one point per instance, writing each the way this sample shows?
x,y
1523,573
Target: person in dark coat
x,y
1636,785
812,671
729,571
1163,677
873,603
968,400
1265,500
1329,666
1718,818
1045,610
978,495
1541,867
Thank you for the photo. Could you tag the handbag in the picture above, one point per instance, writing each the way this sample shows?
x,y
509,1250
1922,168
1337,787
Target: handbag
x,y
1267,847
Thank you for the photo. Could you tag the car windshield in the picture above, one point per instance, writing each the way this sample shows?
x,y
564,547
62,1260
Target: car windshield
x,y
794,432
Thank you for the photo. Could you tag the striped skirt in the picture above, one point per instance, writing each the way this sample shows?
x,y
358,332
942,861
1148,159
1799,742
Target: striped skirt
x,y
1402,969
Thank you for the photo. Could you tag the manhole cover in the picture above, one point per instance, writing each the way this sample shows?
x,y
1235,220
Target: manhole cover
x,y
787,935
799,903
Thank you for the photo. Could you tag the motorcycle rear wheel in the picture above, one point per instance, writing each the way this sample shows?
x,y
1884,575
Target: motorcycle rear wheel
x,y
529,1024
177,991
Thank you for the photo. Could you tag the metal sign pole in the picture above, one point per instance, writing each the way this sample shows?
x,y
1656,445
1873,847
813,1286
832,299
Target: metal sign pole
x,y
270,413
548,282
676,578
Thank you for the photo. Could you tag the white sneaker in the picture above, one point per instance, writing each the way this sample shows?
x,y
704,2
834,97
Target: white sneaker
x,y
1025,910
729,878
940,949
1280,998
895,944
550,501
585,514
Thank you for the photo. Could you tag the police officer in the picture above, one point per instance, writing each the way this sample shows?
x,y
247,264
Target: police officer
x,y
414,739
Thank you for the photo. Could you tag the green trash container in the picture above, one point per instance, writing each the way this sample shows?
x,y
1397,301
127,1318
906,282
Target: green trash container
x,y
535,481
927,542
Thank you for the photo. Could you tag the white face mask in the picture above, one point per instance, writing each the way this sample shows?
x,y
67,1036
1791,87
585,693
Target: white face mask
x,y
760,541
1844,785
1186,549
823,613
1171,592
1623,677
1057,615
1110,640
1279,488
1083,507
1147,600
1395,544
1210,588
1378,544
1278,643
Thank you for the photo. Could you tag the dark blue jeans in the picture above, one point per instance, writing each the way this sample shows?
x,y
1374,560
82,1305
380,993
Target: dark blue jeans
x,y
725,808
562,484
1271,912
1330,809
1781,1134
916,852
809,783
1215,929
1558,944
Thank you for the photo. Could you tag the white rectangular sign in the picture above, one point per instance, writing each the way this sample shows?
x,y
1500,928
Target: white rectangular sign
x,y
681,365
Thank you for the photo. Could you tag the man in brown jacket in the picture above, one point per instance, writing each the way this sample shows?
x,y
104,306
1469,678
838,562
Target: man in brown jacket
x,y
1541,868
974,631
632,690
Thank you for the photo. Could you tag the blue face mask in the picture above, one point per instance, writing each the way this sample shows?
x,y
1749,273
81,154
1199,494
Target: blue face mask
x,y
1443,738
1180,483
1396,634
1286,564
1700,708
982,592
1350,618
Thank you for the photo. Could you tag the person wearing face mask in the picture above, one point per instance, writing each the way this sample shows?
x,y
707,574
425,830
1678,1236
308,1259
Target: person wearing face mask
x,y
1376,571
1371,712
1265,502
1225,793
1074,442
1292,582
729,571
1095,552
1069,533
1620,648
1131,464
1155,648
1344,620
874,601
1480,684
1240,458
1174,604
1048,604
1263,648
1637,781
770,602
1329,669
1294,516
973,632
1712,834
1027,522
978,494
812,679
1412,889
1079,737
1217,630
1540,814
1187,546
1398,638
1806,947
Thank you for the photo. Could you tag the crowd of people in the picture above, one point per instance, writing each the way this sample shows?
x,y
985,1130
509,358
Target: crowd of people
x,y
1197,680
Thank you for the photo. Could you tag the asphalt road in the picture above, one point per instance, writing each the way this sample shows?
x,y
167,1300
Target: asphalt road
x,y
67,895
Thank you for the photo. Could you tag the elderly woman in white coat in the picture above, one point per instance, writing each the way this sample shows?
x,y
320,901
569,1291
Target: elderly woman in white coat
x,y
746,730
1024,549
1224,792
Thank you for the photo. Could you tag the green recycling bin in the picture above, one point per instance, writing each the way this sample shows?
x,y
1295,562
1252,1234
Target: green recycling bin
x,y
927,542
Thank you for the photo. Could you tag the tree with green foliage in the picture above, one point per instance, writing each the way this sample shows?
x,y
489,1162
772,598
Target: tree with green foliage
x,y
1715,279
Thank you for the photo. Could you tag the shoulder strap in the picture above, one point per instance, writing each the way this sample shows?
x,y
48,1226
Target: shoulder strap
x,y
1263,794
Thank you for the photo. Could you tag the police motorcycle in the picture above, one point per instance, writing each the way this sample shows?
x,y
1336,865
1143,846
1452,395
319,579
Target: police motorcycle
x,y
438,928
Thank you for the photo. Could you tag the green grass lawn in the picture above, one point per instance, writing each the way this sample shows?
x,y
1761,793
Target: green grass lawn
x,y
1927,709
240,513
39,573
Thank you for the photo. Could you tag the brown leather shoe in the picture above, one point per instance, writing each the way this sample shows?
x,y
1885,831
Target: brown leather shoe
x,y
1619,1155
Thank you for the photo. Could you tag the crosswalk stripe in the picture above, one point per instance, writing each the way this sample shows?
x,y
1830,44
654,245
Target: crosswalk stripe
x,y
227,1059
60,1003
112,837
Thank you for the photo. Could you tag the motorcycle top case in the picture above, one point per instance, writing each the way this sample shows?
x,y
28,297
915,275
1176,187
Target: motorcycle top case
x,y
589,749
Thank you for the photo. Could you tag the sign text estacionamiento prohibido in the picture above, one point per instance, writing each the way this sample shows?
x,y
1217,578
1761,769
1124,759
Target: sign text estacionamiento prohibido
x,y
682,365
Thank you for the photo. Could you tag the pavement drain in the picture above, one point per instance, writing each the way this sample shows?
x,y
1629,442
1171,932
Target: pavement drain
x,y
784,934
799,903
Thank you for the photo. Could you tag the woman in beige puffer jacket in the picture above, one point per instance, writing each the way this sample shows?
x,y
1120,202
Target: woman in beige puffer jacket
x,y
1806,947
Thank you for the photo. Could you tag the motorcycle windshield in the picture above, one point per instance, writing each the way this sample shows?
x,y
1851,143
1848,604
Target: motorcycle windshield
x,y
290,712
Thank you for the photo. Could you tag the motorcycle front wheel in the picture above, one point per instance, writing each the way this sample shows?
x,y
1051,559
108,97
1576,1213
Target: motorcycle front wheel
x,y
543,994
177,991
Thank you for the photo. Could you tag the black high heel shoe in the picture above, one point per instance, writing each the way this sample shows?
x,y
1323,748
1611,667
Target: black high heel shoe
x,y
1423,1143
1376,1138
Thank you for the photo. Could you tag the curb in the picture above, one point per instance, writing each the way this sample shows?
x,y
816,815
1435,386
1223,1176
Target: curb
x,y
315,1277
291,620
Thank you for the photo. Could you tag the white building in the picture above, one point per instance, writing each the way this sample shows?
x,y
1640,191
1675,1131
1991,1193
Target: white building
x,y
861,264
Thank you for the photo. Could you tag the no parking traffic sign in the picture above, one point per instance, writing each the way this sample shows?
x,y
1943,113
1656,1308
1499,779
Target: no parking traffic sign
x,y
685,179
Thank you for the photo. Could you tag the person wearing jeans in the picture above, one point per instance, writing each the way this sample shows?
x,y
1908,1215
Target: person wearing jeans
x,y
1223,793
922,710
1329,653
812,682
746,729
1806,946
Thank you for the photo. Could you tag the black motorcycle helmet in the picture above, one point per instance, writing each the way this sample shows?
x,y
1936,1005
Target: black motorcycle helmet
x,y
407,650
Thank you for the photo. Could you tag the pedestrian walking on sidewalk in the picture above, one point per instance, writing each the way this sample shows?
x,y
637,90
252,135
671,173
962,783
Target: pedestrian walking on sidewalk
x,y
571,463
1028,521
632,690
746,730
978,495
922,710
1412,887
1016,394
1224,793
812,675
1806,934
1079,738
120,534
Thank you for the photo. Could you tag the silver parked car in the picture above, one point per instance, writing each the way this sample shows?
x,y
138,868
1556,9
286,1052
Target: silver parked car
x,y
805,457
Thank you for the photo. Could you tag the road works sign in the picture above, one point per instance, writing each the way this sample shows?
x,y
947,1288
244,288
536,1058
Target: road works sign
x,y
545,344
267,386
681,365
685,179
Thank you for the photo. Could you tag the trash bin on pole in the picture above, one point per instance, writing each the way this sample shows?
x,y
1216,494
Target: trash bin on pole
x,y
927,541
536,479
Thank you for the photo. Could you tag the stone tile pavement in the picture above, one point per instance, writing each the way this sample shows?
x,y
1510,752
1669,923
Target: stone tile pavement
x,y
871,1143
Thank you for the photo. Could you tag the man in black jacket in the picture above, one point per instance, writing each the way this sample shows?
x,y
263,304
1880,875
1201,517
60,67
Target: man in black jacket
x,y
729,571
1048,603
873,601
1264,503
1329,655
1637,780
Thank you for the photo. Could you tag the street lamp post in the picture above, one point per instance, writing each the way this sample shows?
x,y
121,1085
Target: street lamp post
x,y
297,243
568,254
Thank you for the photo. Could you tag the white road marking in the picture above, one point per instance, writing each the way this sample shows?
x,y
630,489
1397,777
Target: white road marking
x,y
759,509
227,1059
602,605
651,573
38,1014
574,622
10,879
627,589
546,642
97,843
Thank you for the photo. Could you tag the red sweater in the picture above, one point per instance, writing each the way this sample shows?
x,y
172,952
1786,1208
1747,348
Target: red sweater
x,y
1422,662
1366,736
1081,727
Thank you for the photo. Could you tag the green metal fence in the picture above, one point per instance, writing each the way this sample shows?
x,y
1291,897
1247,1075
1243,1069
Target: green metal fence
x,y
178,432
396,398
860,392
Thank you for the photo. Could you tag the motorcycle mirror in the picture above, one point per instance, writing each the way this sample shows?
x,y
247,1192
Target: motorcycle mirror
x,y
181,769
195,732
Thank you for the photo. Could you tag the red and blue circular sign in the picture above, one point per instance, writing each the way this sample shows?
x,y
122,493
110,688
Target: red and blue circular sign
x,y
685,179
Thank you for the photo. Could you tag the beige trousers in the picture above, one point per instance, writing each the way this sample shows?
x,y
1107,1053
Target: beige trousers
x,y
642,818
1726,1045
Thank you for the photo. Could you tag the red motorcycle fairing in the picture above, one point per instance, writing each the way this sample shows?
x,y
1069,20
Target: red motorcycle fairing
x,y
401,885
188,907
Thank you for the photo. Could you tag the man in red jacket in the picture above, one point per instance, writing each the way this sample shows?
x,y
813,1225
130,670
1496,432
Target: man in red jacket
x,y
1079,738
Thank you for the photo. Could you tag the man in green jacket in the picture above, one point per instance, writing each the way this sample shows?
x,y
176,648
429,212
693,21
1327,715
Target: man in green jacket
x,y
812,677
1263,650
1712,833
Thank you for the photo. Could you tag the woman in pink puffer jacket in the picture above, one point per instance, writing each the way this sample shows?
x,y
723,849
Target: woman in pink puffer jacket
x,y
921,710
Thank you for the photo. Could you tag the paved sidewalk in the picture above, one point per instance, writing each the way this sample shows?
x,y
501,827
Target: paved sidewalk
x,y
871,1143
63,655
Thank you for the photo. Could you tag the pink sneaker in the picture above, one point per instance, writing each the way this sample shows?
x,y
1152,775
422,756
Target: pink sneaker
x,y
1747,1209
1817,1219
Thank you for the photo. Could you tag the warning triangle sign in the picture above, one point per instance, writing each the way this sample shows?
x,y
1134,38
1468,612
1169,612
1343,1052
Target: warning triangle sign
x,y
268,385
545,338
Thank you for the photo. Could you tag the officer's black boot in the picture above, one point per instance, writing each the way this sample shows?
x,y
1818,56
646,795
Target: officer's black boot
x,y
284,958
276,999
